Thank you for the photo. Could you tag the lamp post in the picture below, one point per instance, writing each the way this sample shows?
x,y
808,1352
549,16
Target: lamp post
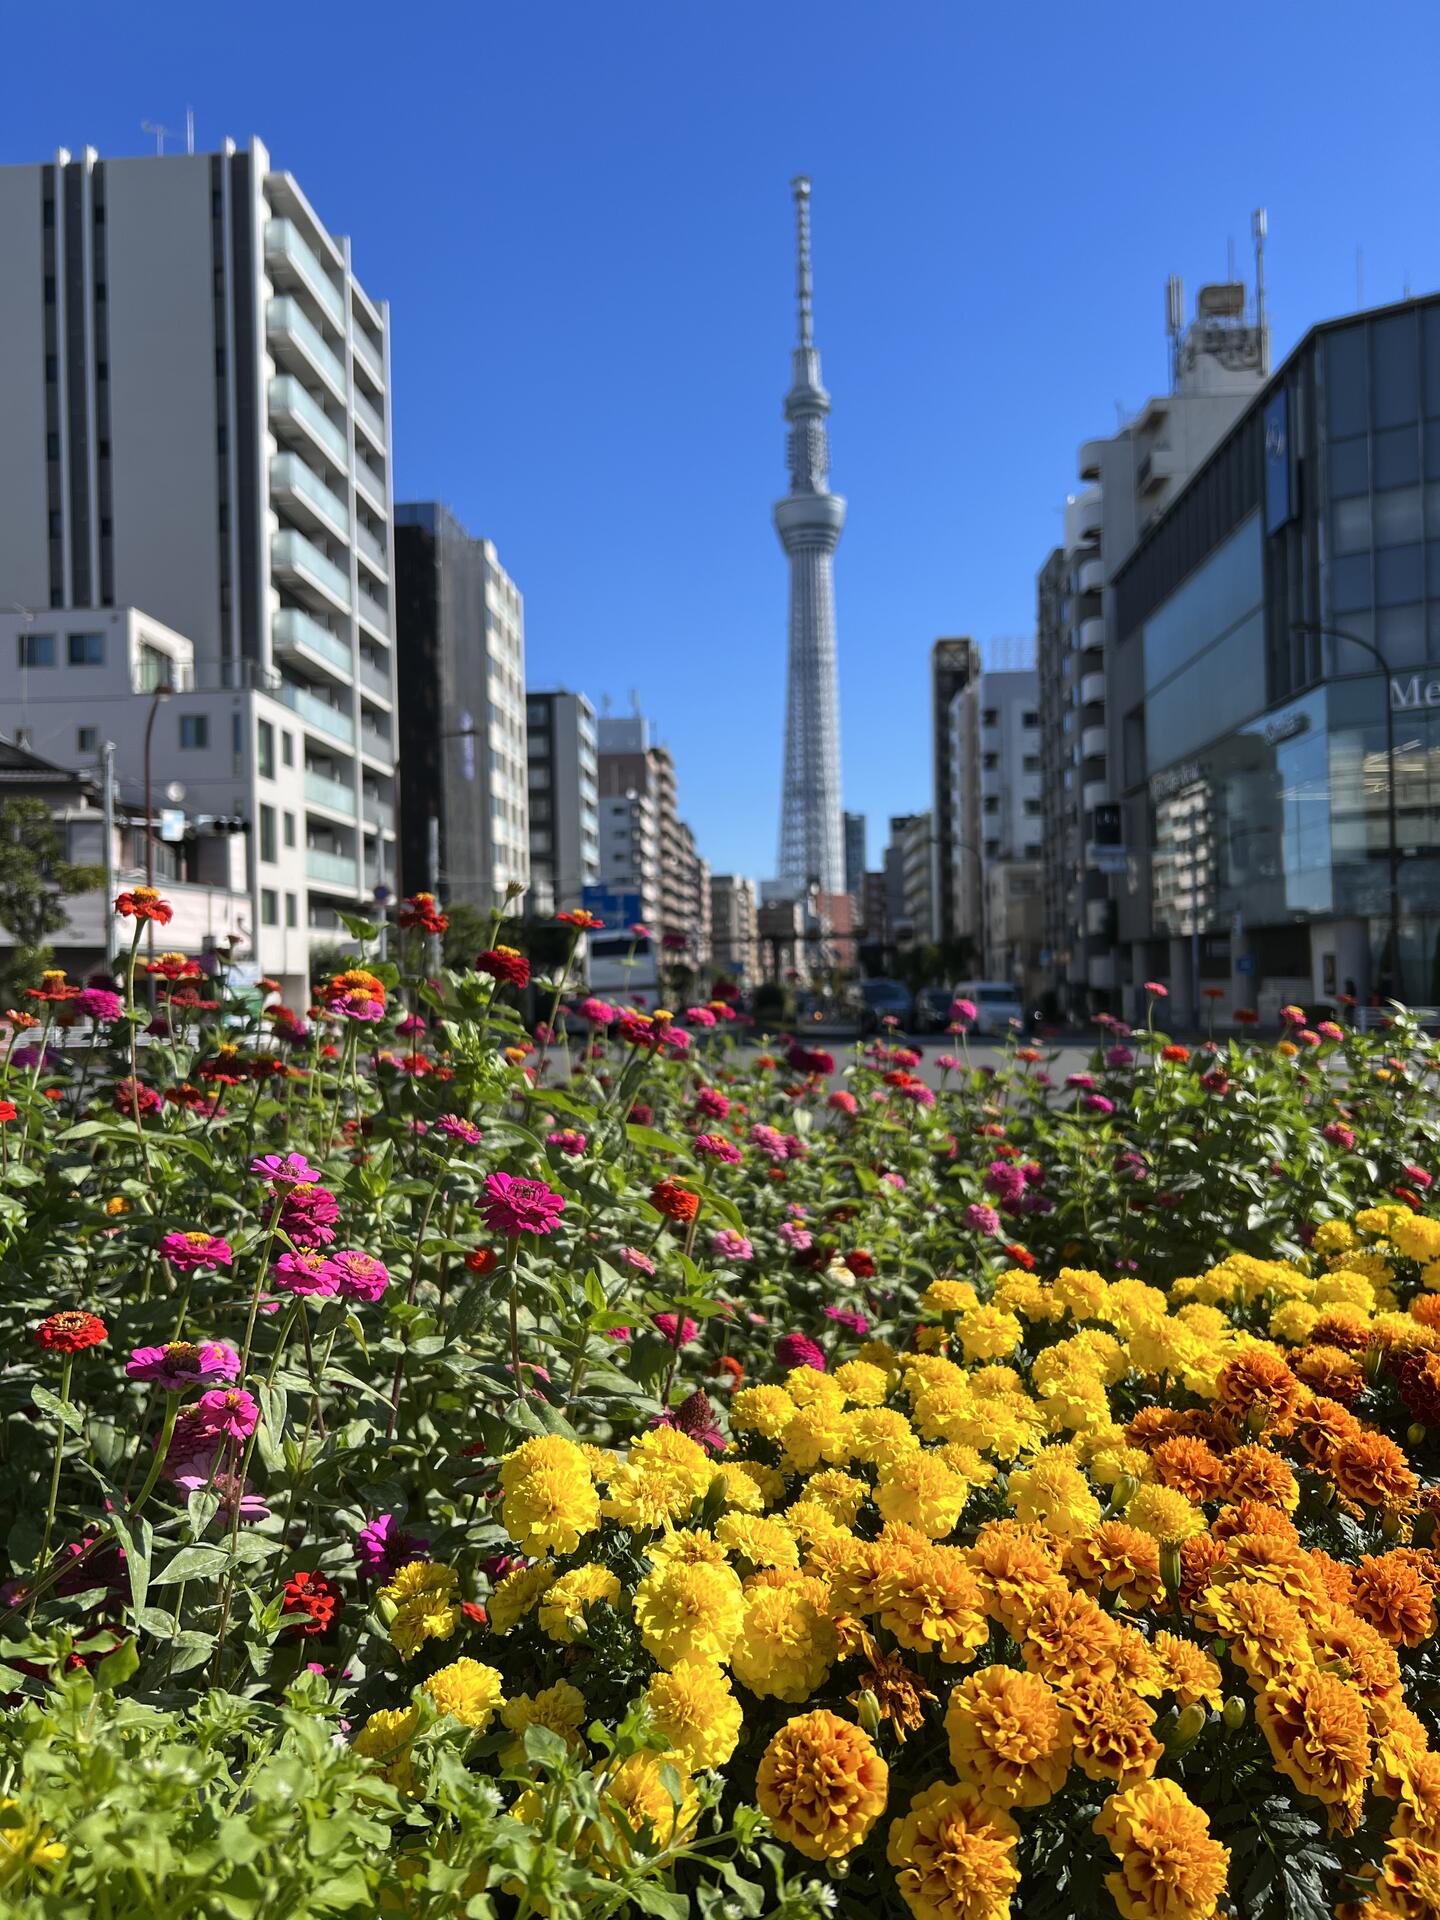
x,y
162,692
1392,835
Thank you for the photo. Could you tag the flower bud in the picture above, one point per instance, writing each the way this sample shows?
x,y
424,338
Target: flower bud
x,y
1390,1524
868,1709
1374,1362
1415,1434
1233,1712
1170,1566
838,1867
1124,1491
1189,1725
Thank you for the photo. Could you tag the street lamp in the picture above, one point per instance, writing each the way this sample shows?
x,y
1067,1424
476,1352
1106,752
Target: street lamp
x,y
1392,836
161,692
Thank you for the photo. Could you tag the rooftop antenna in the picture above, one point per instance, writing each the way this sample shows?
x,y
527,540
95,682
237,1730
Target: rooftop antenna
x,y
161,133
800,187
1174,323
1230,257
1259,227
635,701
189,130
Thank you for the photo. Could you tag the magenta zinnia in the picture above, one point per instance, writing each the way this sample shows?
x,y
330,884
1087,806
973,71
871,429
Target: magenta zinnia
x,y
512,1206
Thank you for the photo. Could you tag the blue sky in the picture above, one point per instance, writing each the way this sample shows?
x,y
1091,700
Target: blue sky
x,y
580,215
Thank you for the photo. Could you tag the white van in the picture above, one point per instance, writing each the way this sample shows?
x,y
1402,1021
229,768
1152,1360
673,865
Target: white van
x,y
996,1004
625,970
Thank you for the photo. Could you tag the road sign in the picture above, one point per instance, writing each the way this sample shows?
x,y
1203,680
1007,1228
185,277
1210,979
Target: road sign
x,y
172,823
619,911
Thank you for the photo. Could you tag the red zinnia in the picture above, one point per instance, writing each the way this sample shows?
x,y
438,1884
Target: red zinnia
x,y
482,1260
314,1596
861,1263
585,922
1176,1053
144,903
507,964
8,1111
70,1331
423,910
677,1203
1022,1257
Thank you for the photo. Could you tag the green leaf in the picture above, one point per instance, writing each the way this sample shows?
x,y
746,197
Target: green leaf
x,y
192,1563
66,1413
117,1667
359,929
136,1538
190,1650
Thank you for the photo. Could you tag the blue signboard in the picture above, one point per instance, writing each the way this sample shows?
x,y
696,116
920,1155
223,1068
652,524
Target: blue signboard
x,y
1279,506
1245,964
619,911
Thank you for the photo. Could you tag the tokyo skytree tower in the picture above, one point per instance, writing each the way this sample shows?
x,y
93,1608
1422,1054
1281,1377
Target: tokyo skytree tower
x,y
808,521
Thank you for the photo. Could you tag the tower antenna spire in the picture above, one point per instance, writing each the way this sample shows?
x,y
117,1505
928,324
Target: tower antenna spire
x,y
800,187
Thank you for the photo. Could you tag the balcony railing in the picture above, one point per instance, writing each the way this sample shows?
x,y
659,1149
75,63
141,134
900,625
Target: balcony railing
x,y
290,401
335,870
290,475
287,321
376,678
318,714
372,548
369,356
378,812
370,420
284,242
375,615
294,629
322,791
371,485
378,745
291,552
210,676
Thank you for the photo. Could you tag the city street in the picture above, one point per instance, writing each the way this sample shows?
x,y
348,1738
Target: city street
x,y
1069,1057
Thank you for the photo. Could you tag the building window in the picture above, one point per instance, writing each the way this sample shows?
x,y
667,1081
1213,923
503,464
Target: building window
x,y
269,907
85,649
194,730
267,834
287,749
87,739
265,736
1030,718
292,911
52,368
289,829
37,649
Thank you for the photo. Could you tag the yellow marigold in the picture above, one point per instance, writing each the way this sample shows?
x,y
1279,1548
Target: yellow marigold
x,y
1158,1345
1111,1463
546,1450
807,1385
1165,1514
862,1383
768,1481
822,1784
988,1333
689,1612
932,1603
1346,1287
1332,1237
813,1522
1170,1867
385,1738
1009,1736
561,1708
949,1296
821,1432
1074,1403
25,1844
1080,1291
1024,1294
696,1712
944,1410
1414,1236
1119,1559
516,1594
684,1459
786,1645
1190,1673
562,1611
742,1490
1264,1627
1293,1321
840,1493
1131,1303
1069,1640
1391,1593
1319,1738
920,1490
686,1543
1114,1732
763,1410
966,1461
420,1602
997,1382
637,1791
879,1353
468,1690
763,1542
646,1494
877,1435
552,1506
955,1855
1054,1493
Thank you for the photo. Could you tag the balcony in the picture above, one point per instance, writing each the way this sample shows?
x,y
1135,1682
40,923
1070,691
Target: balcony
x,y
1091,454
318,714
1092,689
1091,635
370,485
377,812
368,354
1083,520
371,421
373,549
287,251
296,635
1093,742
294,407
1093,794
304,568
376,744
375,678
1157,468
322,791
375,616
307,496
1092,576
288,328
338,872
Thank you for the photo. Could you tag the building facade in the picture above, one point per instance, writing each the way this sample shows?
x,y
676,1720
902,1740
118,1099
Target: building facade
x,y
465,828
646,838
1265,622
564,773
734,927
953,665
854,853
997,824
195,397
808,521
1219,363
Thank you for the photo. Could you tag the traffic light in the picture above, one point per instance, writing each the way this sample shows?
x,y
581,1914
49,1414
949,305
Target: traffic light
x,y
216,823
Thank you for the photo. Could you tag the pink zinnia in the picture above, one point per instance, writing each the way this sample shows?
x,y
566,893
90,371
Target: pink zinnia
x,y
710,1146
597,1012
849,1317
633,1258
306,1272
228,1413
981,1218
676,1332
458,1128
1084,1080
1097,1103
700,1016
799,1350
1119,1057
309,1213
382,1547
1156,991
842,1102
412,1023
715,1106
285,1169
727,1244
362,1276
769,1140
896,1181
568,1141
1007,1183
1339,1135
799,1239
963,1011
190,1250
98,1003
512,1207
183,1363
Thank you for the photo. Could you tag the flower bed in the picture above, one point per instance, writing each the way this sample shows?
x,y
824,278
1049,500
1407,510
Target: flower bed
x,y
463,1470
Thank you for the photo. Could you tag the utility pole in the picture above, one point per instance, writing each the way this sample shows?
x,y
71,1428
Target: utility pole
x,y
107,798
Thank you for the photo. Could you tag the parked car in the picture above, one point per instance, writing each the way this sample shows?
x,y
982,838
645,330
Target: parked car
x,y
932,1009
885,999
996,1004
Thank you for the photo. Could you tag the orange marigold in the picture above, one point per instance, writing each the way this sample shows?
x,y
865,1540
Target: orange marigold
x,y
1170,1868
1329,1371
1254,1516
1319,1738
1393,1594
1265,1628
1408,1880
1190,1673
1016,1566
1119,1558
1369,1470
1258,1388
955,1855
1254,1473
1358,1652
1320,1426
1069,1640
1114,1733
932,1603
1191,1467
1199,1560
1009,1736
822,1784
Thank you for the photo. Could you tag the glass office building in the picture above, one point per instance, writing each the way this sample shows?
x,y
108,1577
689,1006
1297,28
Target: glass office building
x,y
1249,713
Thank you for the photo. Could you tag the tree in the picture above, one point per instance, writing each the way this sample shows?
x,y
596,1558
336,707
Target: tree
x,y
35,880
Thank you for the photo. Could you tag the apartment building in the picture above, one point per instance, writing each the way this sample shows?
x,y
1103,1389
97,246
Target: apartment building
x,y
564,771
996,812
734,927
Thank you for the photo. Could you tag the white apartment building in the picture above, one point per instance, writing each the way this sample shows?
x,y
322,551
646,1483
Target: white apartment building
x,y
996,806
195,418
734,926
630,849
564,799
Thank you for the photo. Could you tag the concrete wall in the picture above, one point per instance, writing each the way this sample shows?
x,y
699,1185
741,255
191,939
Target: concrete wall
x,y
24,555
